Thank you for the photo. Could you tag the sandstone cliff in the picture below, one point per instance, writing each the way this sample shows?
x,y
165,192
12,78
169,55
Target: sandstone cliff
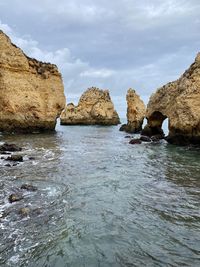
x,y
135,113
179,101
31,92
94,107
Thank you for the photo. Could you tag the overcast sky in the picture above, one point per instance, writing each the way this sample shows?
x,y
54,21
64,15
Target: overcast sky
x,y
111,44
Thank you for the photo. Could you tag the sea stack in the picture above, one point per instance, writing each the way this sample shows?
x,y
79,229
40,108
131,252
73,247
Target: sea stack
x,y
32,92
135,113
95,107
179,101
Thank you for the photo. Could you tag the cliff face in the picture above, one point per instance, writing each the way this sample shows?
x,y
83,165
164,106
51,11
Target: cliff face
x,y
31,92
135,113
179,101
94,107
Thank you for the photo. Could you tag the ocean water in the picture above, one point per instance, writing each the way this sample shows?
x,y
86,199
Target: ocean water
x,y
100,201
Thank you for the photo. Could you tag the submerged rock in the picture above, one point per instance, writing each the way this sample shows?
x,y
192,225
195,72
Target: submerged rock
x,y
15,197
9,147
32,92
135,142
15,158
135,113
29,187
24,211
179,101
95,107
144,138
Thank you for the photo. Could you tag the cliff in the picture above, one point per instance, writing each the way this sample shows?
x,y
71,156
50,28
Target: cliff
x,y
31,92
179,101
94,107
135,113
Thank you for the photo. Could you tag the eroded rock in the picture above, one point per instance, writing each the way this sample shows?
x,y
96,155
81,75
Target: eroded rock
x,y
32,92
135,113
95,107
179,101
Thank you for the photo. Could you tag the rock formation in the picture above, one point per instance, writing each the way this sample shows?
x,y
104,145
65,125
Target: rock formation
x,y
135,113
94,107
179,101
31,92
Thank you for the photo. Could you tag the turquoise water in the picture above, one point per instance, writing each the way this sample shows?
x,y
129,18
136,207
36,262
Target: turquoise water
x,y
100,201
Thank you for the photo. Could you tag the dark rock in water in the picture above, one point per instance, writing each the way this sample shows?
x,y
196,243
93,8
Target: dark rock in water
x,y
7,165
156,138
15,197
2,158
135,142
145,138
127,136
24,211
15,158
29,187
10,147
152,131
123,128
31,158
181,140
4,153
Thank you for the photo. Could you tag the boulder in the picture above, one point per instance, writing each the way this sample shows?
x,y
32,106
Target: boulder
x,y
28,187
9,147
135,142
15,158
15,197
135,113
95,107
179,101
32,92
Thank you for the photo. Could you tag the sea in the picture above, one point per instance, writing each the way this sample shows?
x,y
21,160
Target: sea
x,y
100,201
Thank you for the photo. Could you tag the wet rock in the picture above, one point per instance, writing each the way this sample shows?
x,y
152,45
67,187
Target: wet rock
x,y
144,138
15,197
7,165
127,136
9,147
15,158
135,142
24,211
31,158
156,138
4,153
122,128
29,187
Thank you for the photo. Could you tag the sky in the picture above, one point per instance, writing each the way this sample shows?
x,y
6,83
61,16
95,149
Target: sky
x,y
110,44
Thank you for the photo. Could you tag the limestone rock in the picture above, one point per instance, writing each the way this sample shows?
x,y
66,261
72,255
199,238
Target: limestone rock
x,y
32,92
94,107
135,113
179,101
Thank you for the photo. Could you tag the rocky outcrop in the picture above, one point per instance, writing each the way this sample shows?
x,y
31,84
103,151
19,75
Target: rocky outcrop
x,y
179,101
135,113
31,92
94,107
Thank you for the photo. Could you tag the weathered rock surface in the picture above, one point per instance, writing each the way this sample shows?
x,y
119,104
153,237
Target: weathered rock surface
x,y
179,101
31,92
135,113
95,107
